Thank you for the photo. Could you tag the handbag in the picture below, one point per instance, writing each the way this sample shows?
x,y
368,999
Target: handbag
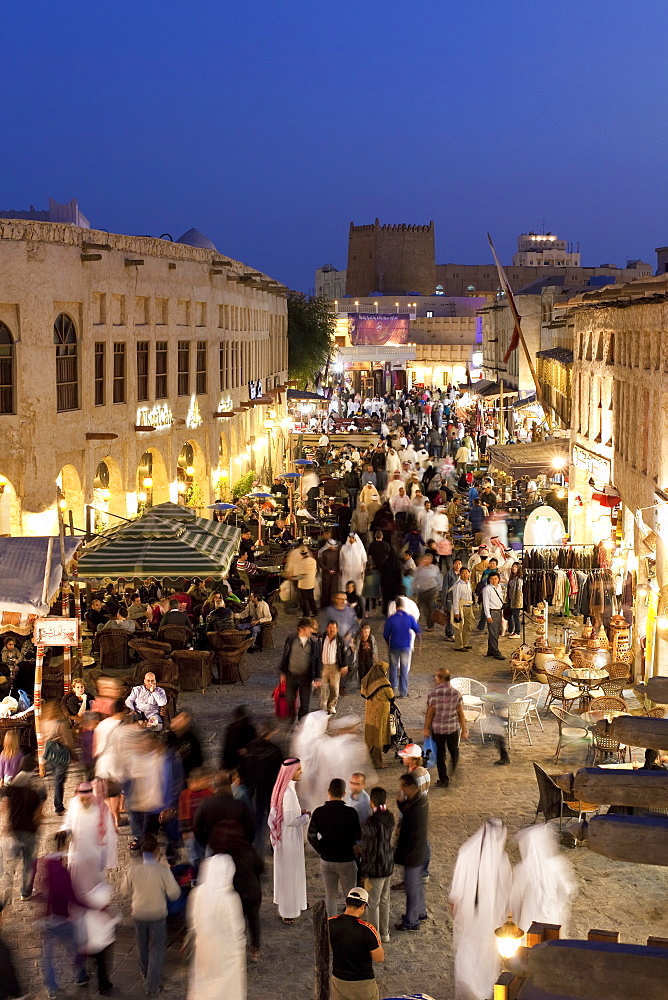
x,y
57,754
281,707
429,751
439,616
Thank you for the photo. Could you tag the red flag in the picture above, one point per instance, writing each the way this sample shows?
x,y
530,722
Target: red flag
x,y
505,284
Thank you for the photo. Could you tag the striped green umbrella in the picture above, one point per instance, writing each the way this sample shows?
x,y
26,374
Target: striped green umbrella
x,y
159,544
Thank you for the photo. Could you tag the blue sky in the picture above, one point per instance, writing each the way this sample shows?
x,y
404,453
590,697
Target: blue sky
x,y
271,125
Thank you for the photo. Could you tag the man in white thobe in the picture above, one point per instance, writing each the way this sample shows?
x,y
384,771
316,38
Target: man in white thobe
x,y
286,819
543,881
93,843
479,903
352,562
218,967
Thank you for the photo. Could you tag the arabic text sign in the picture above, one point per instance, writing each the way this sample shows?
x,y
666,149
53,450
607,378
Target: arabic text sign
x,y
378,329
56,632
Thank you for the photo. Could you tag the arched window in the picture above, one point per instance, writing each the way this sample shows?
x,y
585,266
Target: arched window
x,y
6,370
67,371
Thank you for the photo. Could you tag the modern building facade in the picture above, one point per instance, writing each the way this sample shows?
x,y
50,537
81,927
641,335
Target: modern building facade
x,y
544,250
133,370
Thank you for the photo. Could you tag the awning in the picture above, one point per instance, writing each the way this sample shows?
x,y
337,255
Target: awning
x,y
23,568
162,543
561,354
305,394
530,459
529,400
487,389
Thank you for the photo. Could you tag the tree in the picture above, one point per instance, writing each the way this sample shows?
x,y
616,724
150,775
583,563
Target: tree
x,y
311,328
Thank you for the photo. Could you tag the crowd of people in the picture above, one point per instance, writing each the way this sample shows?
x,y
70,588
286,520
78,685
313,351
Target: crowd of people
x,y
417,539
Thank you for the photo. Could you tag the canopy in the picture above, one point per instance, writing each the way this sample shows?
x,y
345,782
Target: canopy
x,y
23,568
530,459
167,541
305,394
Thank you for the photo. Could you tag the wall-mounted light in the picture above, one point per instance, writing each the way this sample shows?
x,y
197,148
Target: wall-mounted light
x,y
3,482
105,493
190,470
141,497
147,482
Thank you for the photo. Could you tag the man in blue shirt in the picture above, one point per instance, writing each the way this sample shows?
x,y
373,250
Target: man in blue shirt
x,y
397,634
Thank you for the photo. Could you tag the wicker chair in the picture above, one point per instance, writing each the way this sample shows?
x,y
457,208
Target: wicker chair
x,y
149,649
617,669
520,668
613,686
166,671
560,690
194,668
606,749
177,636
555,666
608,703
655,713
53,685
113,648
550,797
231,665
228,640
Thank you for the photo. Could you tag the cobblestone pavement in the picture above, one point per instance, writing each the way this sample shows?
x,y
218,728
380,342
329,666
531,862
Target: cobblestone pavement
x,y
627,897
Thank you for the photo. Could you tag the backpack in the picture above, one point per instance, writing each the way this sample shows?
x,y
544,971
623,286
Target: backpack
x,y
57,754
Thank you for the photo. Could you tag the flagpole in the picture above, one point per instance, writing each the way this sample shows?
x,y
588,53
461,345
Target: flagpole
x,y
517,332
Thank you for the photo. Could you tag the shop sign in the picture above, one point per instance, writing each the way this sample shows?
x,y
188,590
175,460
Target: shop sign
x,y
194,417
56,632
158,416
255,389
594,465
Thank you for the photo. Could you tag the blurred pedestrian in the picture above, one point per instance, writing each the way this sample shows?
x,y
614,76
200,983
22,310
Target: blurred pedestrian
x,y
22,807
376,861
56,892
215,917
151,885
412,850
248,869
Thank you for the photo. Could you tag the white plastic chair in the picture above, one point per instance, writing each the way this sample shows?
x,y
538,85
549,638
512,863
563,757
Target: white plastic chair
x,y
518,714
531,690
473,715
471,691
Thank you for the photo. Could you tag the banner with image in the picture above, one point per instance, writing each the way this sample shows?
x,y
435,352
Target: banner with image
x,y
376,329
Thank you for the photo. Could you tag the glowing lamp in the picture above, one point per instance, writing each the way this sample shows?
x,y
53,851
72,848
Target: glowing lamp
x,y
141,497
272,414
608,544
558,462
182,487
269,424
3,482
105,494
190,471
147,482
632,563
62,504
508,937
223,473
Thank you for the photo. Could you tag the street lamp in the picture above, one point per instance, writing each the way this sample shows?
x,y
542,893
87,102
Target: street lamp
x,y
508,937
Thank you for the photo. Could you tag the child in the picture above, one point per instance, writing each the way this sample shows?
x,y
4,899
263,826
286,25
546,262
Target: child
x,y
11,757
11,656
200,787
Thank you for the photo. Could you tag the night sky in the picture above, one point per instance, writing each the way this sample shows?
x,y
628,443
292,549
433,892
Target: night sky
x,y
271,125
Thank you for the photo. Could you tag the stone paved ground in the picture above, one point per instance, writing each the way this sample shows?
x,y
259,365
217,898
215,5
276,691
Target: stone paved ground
x,y
627,897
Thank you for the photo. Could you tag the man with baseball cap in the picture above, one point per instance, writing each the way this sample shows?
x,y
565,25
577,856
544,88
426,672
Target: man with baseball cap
x,y
355,947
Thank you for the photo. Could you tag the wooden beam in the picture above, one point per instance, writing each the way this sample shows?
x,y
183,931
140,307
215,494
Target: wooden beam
x,y
612,937
595,970
643,839
100,436
636,731
617,786
656,689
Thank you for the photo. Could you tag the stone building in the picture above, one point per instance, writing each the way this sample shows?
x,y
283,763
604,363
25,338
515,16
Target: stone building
x,y
544,250
118,355
444,335
619,441
482,279
390,259
330,283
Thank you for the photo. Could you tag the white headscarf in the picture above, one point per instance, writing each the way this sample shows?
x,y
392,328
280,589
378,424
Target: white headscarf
x,y
218,966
